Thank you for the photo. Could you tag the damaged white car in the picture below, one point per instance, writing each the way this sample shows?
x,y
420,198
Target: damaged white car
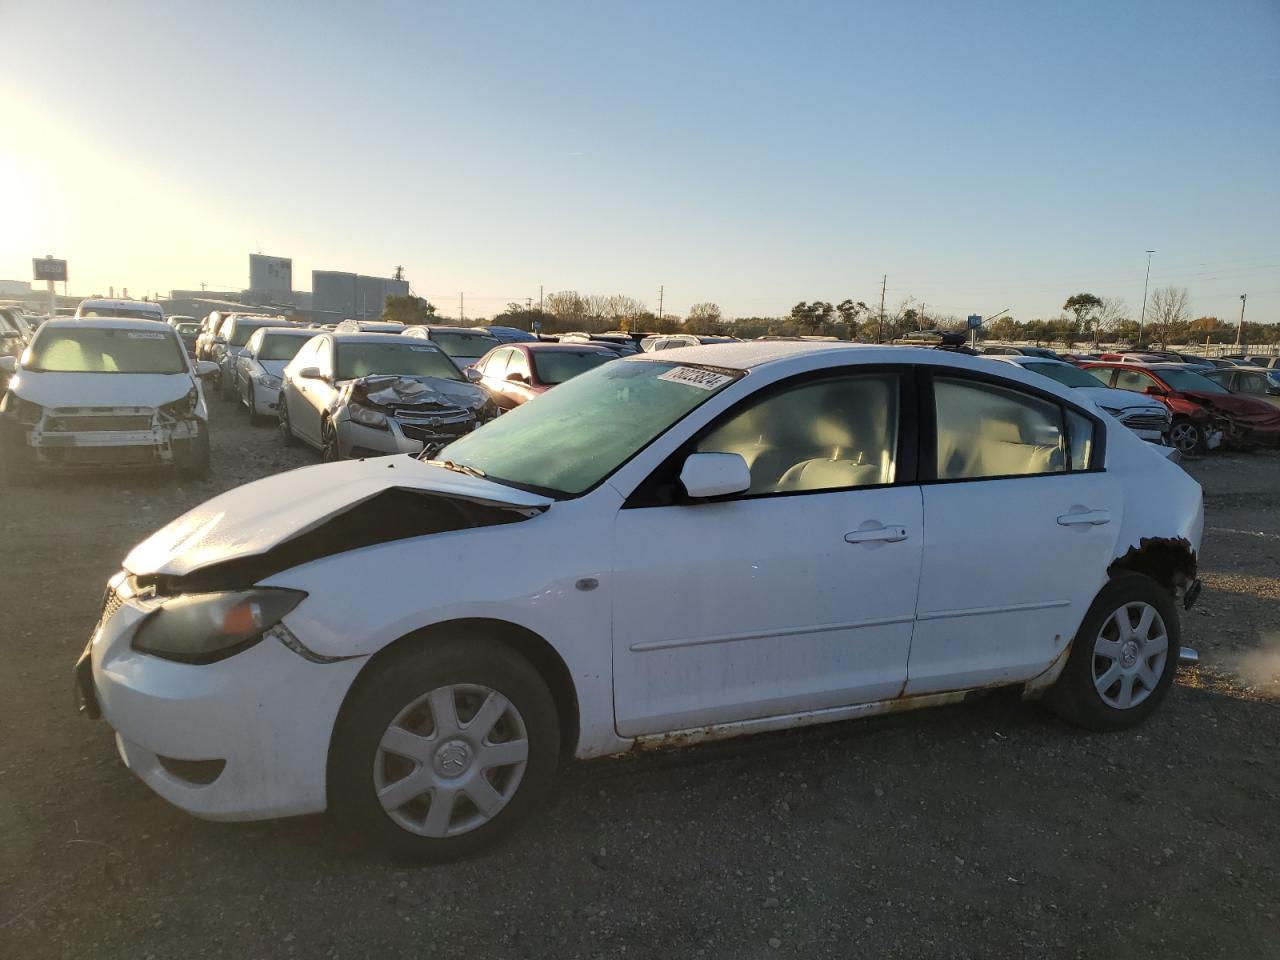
x,y
372,394
699,543
104,393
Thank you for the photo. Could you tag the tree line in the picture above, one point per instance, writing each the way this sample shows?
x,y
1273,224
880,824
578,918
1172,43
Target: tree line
x,y
1085,319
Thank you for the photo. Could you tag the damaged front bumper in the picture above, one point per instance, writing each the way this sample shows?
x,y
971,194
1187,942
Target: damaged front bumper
x,y
115,438
244,738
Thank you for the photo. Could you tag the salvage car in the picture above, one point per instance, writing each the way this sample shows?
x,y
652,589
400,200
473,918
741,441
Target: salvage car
x,y
1257,382
1201,408
370,326
230,343
728,539
517,373
1147,417
370,394
99,307
260,368
463,345
95,393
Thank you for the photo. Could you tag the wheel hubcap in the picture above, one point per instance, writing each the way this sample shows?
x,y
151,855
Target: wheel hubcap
x,y
1185,436
1129,655
451,760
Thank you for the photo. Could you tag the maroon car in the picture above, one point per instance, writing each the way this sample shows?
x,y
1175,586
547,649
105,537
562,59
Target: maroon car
x,y
516,372
1197,404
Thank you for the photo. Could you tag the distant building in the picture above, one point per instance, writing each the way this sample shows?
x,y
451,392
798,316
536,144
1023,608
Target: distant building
x,y
14,288
349,296
270,277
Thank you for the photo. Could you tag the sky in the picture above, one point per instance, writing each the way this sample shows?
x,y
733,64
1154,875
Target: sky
x,y
983,155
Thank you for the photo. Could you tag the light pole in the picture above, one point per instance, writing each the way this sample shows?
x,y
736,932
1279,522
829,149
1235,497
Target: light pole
x,y
1143,319
1240,329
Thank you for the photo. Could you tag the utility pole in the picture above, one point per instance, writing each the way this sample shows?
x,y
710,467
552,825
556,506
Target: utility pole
x,y
1240,329
462,308
528,304
661,291
1143,319
539,298
880,327
399,274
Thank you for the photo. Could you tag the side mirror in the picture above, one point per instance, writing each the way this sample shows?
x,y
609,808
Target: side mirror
x,y
517,378
310,373
715,475
472,374
206,368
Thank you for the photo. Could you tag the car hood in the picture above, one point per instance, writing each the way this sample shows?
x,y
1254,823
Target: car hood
x,y
1238,407
1121,399
273,367
250,520
101,389
397,393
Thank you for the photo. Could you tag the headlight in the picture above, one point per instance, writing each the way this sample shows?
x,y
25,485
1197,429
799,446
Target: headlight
x,y
367,417
268,381
24,411
184,407
207,627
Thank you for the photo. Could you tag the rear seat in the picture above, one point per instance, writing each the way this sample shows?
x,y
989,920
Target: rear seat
x,y
996,452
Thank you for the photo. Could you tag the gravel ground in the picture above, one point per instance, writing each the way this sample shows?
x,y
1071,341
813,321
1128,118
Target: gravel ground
x,y
983,830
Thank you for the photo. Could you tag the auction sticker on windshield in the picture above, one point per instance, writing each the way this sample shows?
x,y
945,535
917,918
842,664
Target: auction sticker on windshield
x,y
696,377
145,335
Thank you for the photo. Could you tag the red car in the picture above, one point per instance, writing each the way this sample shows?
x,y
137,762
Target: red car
x,y
1199,406
516,372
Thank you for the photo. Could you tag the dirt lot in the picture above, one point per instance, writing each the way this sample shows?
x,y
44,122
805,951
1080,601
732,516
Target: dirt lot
x,y
985,830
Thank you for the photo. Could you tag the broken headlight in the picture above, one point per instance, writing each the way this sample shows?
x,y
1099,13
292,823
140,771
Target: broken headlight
x,y
268,381
24,411
207,627
366,416
185,407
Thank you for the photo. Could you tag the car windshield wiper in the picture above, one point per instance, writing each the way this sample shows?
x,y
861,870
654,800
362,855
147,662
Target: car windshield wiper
x,y
470,471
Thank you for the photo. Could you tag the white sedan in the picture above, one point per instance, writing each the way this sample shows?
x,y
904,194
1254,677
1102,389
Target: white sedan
x,y
699,543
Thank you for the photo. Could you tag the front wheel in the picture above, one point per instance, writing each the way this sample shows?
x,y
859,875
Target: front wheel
x,y
443,749
255,417
192,456
1123,659
284,426
329,449
1187,436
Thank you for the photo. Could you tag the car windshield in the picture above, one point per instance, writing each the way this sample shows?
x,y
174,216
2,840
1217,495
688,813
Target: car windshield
x,y
1064,373
244,330
281,346
134,313
464,344
389,357
99,350
557,366
1189,381
568,440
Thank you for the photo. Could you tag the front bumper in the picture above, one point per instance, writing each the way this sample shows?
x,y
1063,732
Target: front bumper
x,y
266,713
409,436
266,400
149,443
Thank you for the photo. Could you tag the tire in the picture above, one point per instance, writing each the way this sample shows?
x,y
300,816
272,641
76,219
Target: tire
x,y
483,680
1139,672
282,425
193,461
226,391
1187,436
255,418
329,449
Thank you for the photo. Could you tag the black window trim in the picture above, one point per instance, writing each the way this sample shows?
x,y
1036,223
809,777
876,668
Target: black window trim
x,y
928,455
661,488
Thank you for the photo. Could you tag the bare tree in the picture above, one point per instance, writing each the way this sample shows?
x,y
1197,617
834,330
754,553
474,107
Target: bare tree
x,y
1113,312
704,318
1169,312
568,307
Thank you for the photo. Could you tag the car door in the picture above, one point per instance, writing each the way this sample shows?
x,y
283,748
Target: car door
x,y
519,391
798,595
492,374
1020,525
318,393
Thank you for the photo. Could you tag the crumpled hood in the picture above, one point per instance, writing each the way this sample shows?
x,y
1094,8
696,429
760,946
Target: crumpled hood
x,y
252,519
1122,399
395,391
1236,407
101,389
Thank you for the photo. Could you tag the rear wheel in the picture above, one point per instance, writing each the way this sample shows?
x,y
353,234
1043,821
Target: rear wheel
x,y
1124,658
1186,436
443,749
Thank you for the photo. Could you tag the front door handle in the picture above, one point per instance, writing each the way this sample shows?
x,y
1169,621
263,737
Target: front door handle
x,y
1091,518
889,534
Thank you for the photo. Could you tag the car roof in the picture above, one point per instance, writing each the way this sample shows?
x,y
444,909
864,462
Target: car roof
x,y
121,304
751,354
110,323
376,338
544,346
290,331
445,328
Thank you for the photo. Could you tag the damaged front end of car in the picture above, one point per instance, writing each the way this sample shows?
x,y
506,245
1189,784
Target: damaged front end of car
x,y
400,414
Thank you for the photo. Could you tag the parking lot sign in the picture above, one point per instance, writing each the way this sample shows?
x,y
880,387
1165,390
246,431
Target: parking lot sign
x,y
47,268
975,321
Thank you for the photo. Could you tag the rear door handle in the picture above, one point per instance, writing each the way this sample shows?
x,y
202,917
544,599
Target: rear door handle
x,y
1091,518
889,534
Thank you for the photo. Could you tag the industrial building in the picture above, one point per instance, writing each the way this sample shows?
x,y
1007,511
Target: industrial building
x,y
270,277
339,296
